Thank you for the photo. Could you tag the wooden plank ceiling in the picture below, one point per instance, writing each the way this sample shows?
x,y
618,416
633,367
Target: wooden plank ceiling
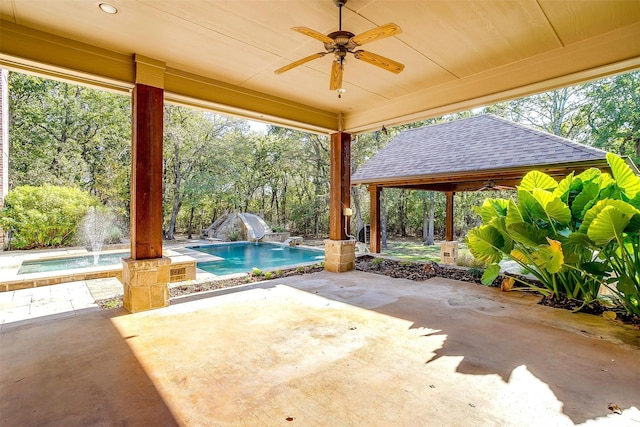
x,y
221,54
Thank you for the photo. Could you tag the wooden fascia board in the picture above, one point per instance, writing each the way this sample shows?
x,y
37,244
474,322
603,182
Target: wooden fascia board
x,y
555,170
36,52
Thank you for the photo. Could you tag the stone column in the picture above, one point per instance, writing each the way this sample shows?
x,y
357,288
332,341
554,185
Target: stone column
x,y
145,275
339,251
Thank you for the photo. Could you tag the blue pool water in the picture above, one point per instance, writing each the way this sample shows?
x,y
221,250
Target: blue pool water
x,y
70,263
243,257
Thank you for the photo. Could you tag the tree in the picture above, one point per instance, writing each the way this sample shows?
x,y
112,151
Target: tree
x,y
70,135
192,139
613,114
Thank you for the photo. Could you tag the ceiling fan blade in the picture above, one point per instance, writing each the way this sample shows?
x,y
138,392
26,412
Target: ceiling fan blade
x,y
377,33
300,62
313,33
379,61
336,75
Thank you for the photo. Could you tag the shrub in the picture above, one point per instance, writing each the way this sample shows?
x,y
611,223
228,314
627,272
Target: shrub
x,y
256,272
570,235
268,275
465,259
44,216
233,235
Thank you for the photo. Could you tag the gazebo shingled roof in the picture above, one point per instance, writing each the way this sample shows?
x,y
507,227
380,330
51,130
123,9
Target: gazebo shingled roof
x,y
467,155
463,154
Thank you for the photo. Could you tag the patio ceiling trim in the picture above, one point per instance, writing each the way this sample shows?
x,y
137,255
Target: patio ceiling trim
x,y
36,52
591,59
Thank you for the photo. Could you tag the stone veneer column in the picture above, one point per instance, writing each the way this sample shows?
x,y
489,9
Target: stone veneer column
x,y
145,283
145,276
339,253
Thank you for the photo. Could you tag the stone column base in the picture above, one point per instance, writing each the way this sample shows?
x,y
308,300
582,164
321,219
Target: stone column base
x,y
449,253
339,255
145,283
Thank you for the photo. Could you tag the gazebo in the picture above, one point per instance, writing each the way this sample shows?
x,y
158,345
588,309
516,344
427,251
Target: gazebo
x,y
480,152
221,56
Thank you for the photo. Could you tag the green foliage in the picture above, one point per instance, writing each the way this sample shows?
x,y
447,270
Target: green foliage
x,y
570,235
465,259
256,272
233,235
377,261
268,275
46,216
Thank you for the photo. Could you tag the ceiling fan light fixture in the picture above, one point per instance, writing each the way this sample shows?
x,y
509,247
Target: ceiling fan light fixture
x,y
108,8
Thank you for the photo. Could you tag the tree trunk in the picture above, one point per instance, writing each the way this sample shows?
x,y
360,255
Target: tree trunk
x,y
355,194
383,225
190,229
402,212
427,225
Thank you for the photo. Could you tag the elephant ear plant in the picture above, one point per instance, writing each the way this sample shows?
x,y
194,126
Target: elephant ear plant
x,y
573,236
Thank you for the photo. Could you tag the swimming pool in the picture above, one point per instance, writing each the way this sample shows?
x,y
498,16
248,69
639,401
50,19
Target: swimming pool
x,y
243,257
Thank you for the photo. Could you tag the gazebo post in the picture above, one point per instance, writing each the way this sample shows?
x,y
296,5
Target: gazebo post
x,y
449,216
374,215
145,275
340,252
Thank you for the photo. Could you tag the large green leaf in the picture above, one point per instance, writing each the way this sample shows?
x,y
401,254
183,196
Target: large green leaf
x,y
530,209
536,179
527,234
553,207
620,205
550,256
513,214
609,224
563,188
492,208
486,244
624,176
588,194
589,175
490,274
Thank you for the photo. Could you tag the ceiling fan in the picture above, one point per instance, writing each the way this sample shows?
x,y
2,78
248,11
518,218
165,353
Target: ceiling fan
x,y
340,42
491,185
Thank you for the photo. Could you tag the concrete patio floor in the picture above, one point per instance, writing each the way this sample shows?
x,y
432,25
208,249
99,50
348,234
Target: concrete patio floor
x,y
327,350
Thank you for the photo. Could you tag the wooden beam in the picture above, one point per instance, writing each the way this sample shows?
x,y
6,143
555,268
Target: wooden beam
x,y
146,172
374,215
340,194
449,219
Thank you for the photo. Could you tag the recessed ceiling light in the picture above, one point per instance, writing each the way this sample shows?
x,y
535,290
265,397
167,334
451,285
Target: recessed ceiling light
x,y
108,8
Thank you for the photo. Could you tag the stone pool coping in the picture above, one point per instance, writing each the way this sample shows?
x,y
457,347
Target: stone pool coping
x,y
10,264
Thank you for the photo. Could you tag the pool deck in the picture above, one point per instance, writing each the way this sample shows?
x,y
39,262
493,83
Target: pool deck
x,y
326,349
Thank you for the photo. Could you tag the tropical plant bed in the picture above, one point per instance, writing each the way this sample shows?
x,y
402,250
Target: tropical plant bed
x,y
417,271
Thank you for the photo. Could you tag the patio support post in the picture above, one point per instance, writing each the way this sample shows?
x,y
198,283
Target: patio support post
x,y
449,249
340,252
145,275
374,214
449,217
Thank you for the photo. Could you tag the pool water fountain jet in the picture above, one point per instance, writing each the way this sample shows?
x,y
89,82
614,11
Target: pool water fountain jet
x,y
94,230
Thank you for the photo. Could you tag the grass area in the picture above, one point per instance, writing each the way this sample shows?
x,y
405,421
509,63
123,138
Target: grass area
x,y
416,251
